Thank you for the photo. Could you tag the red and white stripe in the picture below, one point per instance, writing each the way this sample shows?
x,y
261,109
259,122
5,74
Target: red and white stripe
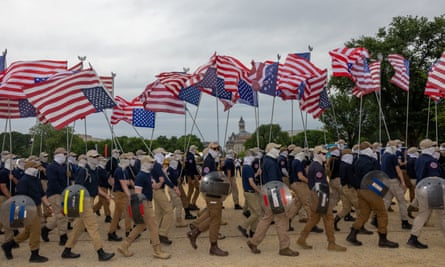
x,y
108,82
401,77
231,70
435,85
310,101
23,73
123,111
343,57
157,98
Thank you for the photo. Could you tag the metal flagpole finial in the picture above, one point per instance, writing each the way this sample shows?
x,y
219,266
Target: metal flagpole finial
x,y
5,52
310,48
82,58
113,74
185,69
278,57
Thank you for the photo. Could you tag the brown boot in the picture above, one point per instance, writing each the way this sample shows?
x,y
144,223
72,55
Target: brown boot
x,y
193,235
123,249
334,247
158,253
288,252
302,242
253,247
215,250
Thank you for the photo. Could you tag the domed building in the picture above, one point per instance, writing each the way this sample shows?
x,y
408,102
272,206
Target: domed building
x,y
236,141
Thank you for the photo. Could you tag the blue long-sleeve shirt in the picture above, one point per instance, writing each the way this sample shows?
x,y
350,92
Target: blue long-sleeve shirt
x,y
57,179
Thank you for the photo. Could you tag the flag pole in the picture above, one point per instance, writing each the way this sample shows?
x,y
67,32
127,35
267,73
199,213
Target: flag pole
x,y
273,105
292,122
428,117
360,119
304,130
142,138
407,115
227,126
437,129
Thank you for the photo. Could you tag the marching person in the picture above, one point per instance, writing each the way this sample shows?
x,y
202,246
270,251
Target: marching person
x,y
121,195
229,171
397,187
210,219
6,192
87,176
173,172
271,172
56,173
251,196
368,200
192,175
105,187
144,185
316,175
411,157
426,166
163,207
30,186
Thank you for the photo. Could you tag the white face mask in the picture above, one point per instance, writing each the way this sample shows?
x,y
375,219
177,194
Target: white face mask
x,y
21,166
132,161
115,155
60,158
8,164
160,158
341,146
123,163
300,156
32,172
248,160
336,153
274,153
320,157
368,152
178,157
429,150
213,153
173,164
436,155
259,155
147,166
82,163
44,159
92,162
347,158
284,153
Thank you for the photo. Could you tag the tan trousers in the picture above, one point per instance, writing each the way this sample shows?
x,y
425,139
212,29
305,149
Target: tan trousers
x,y
210,218
303,199
234,187
57,219
336,191
176,203
149,222
86,220
328,220
193,189
396,190
9,234
31,231
281,226
252,201
103,202
121,202
350,200
424,214
367,201
163,211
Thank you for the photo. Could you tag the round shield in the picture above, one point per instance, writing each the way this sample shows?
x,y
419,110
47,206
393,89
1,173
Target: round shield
x,y
17,212
276,197
74,200
215,184
431,189
375,181
136,208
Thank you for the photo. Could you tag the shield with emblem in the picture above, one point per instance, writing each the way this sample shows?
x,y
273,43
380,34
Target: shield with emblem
x,y
432,189
136,208
322,191
17,212
375,181
74,200
276,197
215,184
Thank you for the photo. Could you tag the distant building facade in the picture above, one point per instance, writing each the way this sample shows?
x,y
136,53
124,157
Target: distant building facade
x,y
236,141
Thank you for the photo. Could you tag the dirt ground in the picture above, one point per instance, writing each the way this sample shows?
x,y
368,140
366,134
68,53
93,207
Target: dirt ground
x,y
239,254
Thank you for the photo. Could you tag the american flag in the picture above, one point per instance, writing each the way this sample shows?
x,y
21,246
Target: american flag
x,y
295,71
435,85
264,76
108,82
401,71
68,99
231,70
16,109
132,112
310,101
175,81
23,73
2,65
191,95
371,81
344,58
158,99
247,95
212,85
143,118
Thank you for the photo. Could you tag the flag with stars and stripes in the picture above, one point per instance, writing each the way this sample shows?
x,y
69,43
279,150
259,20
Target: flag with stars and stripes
x,y
190,95
264,77
132,112
16,109
63,101
212,85
2,64
157,98
108,82
435,85
246,94
143,118
401,71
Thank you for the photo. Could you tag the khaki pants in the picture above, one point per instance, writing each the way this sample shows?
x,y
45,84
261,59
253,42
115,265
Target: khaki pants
x,y
103,202
234,187
193,189
149,222
86,220
163,211
252,201
424,214
396,190
9,234
336,191
121,202
176,203
210,219
350,200
281,225
367,201
57,219
328,220
302,200
31,231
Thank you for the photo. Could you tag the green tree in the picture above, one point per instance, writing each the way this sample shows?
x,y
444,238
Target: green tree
x,y
314,138
421,42
264,131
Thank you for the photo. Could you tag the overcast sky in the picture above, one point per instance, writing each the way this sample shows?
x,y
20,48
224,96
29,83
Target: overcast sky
x,y
137,39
